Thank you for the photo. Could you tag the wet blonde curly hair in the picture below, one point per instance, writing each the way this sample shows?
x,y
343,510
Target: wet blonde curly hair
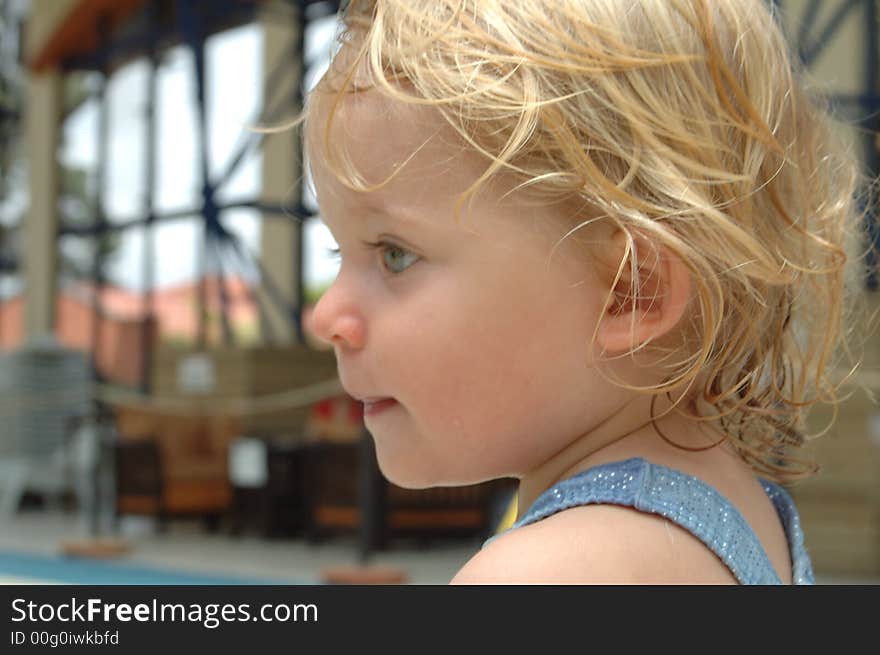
x,y
682,123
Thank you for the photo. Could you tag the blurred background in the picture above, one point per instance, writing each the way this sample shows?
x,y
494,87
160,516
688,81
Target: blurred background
x,y
166,416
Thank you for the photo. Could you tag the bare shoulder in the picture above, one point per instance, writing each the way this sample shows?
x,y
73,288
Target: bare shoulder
x,y
596,544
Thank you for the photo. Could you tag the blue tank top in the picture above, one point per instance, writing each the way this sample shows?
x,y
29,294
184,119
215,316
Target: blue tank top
x,y
688,502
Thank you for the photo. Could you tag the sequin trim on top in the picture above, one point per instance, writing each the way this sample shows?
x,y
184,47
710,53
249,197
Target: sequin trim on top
x,y
690,503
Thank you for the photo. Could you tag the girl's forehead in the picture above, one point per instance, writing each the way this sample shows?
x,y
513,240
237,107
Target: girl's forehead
x,y
428,168
384,138
425,163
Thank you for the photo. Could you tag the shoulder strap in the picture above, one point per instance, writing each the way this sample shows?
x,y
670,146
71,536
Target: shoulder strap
x,y
679,497
802,567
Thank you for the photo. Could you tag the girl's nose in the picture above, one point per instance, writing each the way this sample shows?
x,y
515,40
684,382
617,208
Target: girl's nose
x,y
336,320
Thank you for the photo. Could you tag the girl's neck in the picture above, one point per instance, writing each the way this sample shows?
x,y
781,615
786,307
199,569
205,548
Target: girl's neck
x,y
626,433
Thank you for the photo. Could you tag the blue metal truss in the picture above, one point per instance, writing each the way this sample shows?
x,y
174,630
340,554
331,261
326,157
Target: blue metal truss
x,y
190,22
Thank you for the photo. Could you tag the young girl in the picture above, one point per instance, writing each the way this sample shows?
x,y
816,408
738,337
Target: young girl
x,y
596,245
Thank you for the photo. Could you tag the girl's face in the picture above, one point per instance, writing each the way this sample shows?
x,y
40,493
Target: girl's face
x,y
475,335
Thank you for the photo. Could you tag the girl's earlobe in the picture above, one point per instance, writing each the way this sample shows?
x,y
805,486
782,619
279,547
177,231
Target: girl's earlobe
x,y
651,307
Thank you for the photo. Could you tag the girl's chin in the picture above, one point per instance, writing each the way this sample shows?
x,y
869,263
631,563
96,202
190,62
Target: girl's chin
x,y
406,477
407,472
412,474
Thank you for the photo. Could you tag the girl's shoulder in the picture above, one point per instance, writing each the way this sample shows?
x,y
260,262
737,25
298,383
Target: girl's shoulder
x,y
643,522
596,544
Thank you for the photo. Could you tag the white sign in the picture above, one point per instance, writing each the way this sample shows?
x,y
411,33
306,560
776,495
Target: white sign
x,y
196,374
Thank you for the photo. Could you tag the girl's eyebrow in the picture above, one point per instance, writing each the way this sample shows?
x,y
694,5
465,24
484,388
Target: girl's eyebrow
x,y
385,219
375,209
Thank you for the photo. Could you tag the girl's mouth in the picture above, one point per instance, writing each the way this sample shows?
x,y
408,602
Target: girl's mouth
x,y
378,405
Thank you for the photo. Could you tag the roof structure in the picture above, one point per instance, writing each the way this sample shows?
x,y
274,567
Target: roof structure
x,y
80,32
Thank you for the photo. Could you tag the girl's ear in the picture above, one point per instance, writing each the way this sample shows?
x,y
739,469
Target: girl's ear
x,y
663,290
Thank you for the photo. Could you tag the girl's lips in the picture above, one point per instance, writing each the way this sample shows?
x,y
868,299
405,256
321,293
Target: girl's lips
x,y
373,407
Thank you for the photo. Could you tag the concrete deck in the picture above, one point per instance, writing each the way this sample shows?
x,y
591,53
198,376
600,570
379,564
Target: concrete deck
x,y
186,547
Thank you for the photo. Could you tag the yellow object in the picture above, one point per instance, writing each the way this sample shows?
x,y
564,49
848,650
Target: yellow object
x,y
509,517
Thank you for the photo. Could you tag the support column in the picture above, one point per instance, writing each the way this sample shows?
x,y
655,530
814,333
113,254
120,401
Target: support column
x,y
39,246
39,252
281,238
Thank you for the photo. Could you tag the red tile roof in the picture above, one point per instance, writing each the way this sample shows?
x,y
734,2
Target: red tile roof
x,y
123,312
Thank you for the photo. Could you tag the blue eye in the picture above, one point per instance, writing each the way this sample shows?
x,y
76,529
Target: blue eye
x,y
395,258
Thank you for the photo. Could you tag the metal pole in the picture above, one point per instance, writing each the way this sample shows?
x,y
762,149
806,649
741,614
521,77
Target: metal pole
x,y
222,292
148,254
104,472
372,500
298,240
237,259
871,123
100,221
194,36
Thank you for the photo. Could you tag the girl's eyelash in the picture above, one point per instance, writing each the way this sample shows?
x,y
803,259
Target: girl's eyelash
x,y
335,253
377,245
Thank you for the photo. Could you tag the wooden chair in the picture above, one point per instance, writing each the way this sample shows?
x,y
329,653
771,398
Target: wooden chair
x,y
277,502
192,452
139,479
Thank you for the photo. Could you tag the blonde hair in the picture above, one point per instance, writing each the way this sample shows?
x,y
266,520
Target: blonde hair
x,y
683,124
